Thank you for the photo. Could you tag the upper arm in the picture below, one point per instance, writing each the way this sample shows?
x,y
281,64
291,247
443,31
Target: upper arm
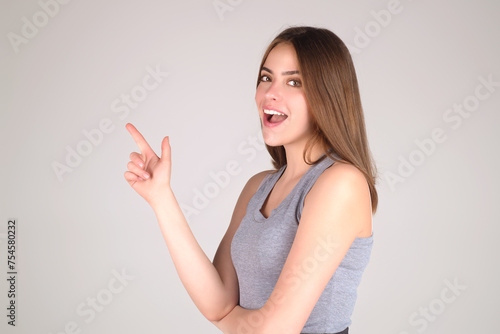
x,y
337,210
222,260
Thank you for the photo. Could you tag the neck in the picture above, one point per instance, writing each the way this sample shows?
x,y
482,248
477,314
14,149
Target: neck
x,y
295,164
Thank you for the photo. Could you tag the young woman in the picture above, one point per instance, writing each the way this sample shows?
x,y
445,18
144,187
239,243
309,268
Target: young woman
x,y
301,235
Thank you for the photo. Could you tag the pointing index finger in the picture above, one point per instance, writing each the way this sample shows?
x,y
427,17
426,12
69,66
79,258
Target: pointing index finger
x,y
138,138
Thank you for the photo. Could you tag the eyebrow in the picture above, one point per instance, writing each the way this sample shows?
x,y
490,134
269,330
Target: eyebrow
x,y
282,73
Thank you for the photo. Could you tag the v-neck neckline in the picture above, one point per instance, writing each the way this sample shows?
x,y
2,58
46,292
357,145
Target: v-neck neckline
x,y
259,216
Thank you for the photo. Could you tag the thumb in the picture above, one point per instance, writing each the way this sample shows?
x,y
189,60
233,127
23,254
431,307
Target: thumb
x,y
165,149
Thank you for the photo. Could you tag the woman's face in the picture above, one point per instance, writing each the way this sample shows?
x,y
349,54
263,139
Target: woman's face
x,y
280,92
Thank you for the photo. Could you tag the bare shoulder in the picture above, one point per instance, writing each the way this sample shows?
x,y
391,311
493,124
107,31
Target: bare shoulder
x,y
343,174
255,181
344,187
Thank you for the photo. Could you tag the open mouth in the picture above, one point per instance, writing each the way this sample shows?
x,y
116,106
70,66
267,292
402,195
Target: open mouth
x,y
274,117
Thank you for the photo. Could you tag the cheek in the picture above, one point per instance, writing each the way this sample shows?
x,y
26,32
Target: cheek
x,y
259,94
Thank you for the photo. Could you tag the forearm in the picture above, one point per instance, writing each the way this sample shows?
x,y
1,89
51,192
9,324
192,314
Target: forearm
x,y
245,321
238,322
269,319
197,273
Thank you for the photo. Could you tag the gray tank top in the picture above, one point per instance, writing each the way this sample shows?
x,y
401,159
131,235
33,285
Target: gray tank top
x,y
261,245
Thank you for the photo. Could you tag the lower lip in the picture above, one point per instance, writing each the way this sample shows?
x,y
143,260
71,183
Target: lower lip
x,y
269,124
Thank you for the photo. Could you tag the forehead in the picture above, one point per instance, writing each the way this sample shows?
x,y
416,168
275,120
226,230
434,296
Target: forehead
x,y
282,57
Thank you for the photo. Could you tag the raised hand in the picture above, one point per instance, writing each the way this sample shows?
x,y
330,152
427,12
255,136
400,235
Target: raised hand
x,y
148,174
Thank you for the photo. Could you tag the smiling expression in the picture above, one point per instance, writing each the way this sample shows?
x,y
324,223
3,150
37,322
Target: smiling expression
x,y
280,91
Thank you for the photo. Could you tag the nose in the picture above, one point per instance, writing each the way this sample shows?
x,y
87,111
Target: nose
x,y
273,91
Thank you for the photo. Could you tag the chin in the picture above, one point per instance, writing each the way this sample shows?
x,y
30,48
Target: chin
x,y
272,141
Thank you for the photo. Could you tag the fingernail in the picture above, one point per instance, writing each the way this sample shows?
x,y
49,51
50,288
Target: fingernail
x,y
145,175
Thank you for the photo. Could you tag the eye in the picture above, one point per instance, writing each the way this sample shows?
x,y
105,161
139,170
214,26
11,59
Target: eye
x,y
264,78
294,83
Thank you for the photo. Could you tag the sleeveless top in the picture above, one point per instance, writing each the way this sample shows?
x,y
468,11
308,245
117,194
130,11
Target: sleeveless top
x,y
261,245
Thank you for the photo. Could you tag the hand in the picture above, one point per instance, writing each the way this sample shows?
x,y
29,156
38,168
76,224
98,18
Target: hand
x,y
148,174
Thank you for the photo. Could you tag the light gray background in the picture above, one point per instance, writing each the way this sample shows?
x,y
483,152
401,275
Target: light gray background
x,y
437,226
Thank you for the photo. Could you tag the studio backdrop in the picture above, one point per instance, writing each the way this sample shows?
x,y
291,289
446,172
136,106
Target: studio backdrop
x,y
81,252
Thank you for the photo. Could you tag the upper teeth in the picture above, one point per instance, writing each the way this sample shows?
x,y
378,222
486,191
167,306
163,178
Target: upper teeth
x,y
272,112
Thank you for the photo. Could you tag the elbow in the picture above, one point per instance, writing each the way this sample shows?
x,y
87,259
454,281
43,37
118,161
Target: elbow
x,y
215,314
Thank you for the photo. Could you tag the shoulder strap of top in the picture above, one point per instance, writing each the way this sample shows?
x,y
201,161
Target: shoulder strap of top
x,y
317,170
266,184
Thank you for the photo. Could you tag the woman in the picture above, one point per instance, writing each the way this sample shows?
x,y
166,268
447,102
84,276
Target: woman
x,y
300,236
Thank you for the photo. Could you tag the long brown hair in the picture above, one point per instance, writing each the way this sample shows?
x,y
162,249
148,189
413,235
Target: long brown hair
x,y
332,94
